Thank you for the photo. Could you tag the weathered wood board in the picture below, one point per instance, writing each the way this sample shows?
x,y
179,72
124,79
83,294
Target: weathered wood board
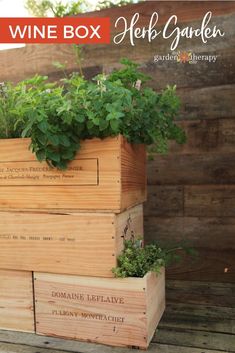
x,y
16,301
211,201
119,312
75,243
191,169
38,58
106,175
211,237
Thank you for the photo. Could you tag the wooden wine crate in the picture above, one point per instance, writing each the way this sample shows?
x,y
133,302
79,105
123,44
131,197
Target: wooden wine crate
x,y
118,312
16,301
107,175
73,243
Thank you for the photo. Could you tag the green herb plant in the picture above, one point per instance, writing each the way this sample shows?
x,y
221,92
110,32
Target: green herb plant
x,y
57,117
137,260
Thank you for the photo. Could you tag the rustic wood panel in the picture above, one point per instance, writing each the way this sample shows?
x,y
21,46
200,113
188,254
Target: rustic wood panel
x,y
207,102
216,233
202,137
188,169
199,317
212,238
185,75
209,265
165,200
66,243
200,293
212,136
227,134
209,318
200,339
209,201
100,307
16,301
93,181
39,58
86,347
185,10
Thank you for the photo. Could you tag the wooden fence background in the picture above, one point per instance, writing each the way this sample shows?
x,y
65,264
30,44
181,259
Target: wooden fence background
x,y
191,191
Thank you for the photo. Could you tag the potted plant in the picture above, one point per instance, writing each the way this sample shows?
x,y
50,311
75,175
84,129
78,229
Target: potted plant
x,y
115,311
89,136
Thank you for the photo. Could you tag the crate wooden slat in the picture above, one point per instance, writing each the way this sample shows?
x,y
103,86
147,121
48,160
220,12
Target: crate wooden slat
x,y
73,243
119,312
16,301
106,175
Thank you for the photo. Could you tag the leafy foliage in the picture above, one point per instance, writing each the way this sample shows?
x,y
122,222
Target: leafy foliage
x,y
104,4
9,103
136,260
57,117
45,8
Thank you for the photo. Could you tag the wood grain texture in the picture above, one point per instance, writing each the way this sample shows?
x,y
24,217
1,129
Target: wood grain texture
x,y
99,307
200,293
128,225
207,103
154,348
206,136
227,134
185,75
164,200
78,243
217,232
212,238
209,200
16,301
209,266
214,136
133,174
201,340
189,169
156,301
199,317
85,186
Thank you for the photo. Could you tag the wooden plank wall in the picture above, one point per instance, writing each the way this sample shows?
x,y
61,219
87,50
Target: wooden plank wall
x,y
191,192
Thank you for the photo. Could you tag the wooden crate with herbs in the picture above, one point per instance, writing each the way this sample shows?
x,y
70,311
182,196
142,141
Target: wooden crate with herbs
x,y
114,311
69,223
106,175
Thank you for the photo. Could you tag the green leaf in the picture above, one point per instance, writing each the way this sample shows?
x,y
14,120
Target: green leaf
x,y
54,139
53,156
68,155
64,140
41,155
43,126
114,125
103,124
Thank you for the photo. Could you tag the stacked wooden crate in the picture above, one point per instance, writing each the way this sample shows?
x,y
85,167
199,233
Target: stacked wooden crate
x,y
59,227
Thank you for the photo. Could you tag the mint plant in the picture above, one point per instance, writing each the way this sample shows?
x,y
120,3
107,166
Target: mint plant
x,y
57,117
